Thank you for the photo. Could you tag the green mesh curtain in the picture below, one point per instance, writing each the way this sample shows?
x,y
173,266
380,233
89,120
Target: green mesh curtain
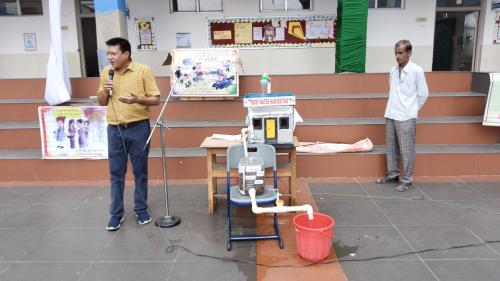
x,y
350,51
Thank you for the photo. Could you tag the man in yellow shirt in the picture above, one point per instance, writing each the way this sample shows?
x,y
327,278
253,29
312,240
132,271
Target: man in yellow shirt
x,y
128,89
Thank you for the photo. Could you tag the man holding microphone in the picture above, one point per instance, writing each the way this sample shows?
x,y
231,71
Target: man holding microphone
x,y
128,89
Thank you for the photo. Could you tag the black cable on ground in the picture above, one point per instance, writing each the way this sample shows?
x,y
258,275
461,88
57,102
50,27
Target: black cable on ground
x,y
224,259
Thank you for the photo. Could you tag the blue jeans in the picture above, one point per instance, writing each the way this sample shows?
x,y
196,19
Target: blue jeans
x,y
134,139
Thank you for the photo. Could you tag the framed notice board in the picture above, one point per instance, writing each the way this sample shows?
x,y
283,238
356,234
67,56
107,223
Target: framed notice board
x,y
492,109
258,32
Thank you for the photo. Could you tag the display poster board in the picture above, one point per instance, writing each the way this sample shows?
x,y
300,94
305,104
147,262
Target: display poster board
x,y
496,36
30,42
492,109
145,34
495,8
261,32
73,132
205,72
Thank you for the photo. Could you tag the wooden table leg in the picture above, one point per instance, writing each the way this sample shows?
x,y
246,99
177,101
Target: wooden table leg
x,y
293,164
210,181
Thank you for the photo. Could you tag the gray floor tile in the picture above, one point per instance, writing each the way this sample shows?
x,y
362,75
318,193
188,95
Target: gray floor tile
x,y
387,270
7,209
387,191
102,195
15,243
141,243
442,237
212,242
337,191
130,271
466,270
4,267
212,270
480,216
487,232
419,212
182,210
176,233
64,195
45,272
43,216
449,191
490,190
87,215
353,212
201,217
370,241
178,193
197,214
70,245
20,195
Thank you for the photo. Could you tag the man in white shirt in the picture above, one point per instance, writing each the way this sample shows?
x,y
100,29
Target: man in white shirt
x,y
408,93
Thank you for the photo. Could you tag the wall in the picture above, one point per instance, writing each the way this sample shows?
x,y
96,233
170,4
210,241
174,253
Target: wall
x,y
16,63
254,61
402,23
387,26
490,53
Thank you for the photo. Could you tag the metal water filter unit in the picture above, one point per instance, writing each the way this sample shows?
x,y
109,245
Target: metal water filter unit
x,y
270,118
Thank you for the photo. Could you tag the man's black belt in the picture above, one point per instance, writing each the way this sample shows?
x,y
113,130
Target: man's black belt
x,y
129,125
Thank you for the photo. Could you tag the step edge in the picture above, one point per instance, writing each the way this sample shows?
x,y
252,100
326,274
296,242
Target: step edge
x,y
323,96
195,152
307,122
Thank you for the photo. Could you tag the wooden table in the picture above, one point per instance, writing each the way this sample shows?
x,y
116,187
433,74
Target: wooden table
x,y
216,147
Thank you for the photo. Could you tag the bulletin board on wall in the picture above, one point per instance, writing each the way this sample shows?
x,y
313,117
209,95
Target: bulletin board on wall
x,y
262,32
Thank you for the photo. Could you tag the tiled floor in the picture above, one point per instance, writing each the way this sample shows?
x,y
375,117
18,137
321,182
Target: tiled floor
x,y
382,234
57,233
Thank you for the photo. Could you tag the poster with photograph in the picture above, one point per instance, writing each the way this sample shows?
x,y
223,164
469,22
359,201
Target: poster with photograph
x,y
73,132
205,72
145,34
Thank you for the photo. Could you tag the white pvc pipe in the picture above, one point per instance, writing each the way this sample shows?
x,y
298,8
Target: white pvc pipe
x,y
278,209
244,138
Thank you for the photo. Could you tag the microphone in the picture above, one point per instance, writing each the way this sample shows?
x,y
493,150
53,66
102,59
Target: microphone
x,y
111,74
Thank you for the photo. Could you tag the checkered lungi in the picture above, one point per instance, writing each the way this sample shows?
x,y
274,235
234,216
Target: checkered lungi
x,y
400,140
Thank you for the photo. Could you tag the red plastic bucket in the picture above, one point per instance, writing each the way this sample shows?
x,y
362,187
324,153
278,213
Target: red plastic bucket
x,y
314,237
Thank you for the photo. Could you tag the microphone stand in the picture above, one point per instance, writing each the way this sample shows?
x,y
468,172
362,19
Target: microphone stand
x,y
167,220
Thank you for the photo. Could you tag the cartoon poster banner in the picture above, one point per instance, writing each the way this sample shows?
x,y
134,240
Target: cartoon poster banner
x,y
205,72
258,32
145,34
73,132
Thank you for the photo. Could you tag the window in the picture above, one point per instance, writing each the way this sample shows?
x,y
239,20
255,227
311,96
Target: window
x,y
20,7
385,4
196,6
284,5
87,8
459,3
